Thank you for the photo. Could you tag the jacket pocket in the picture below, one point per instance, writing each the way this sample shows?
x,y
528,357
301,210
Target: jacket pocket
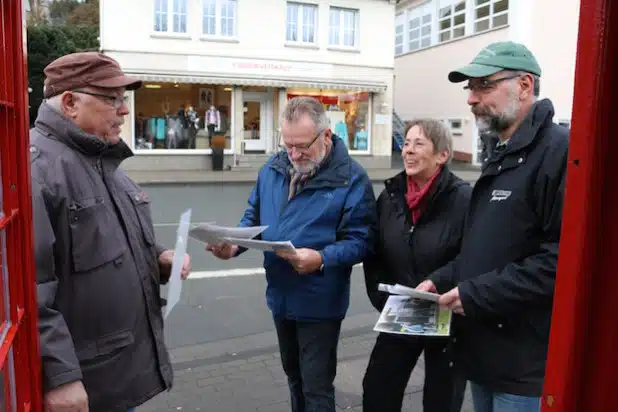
x,y
142,209
99,351
94,234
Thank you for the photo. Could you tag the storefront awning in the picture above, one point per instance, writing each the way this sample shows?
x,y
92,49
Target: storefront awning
x,y
352,85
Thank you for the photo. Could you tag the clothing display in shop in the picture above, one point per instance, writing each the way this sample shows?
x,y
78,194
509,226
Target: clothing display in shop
x,y
165,132
213,122
360,140
341,130
193,121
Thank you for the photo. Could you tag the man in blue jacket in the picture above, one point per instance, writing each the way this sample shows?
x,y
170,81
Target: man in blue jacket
x,y
315,195
502,282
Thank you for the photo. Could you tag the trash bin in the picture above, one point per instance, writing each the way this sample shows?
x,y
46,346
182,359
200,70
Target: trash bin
x,y
218,145
217,158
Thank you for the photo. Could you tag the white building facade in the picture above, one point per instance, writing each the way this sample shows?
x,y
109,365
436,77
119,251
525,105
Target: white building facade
x,y
246,58
436,36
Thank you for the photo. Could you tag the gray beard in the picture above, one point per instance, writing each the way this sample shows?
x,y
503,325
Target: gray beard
x,y
494,124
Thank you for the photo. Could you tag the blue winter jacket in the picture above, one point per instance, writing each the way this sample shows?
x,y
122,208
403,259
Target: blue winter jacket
x,y
333,213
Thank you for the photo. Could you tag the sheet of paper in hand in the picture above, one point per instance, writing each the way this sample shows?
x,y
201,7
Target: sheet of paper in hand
x,y
174,289
263,245
212,233
413,313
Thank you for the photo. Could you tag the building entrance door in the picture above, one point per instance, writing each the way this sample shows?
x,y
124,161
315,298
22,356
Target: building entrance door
x,y
258,122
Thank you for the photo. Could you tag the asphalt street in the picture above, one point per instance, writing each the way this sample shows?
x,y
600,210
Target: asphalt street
x,y
221,336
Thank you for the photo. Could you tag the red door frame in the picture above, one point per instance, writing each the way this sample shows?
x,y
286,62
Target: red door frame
x,y
582,361
16,196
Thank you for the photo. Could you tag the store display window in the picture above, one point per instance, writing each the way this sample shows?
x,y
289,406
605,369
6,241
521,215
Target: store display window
x,y
348,113
173,116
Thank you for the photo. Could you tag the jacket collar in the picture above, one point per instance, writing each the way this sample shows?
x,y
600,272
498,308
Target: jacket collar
x,y
335,172
52,124
396,186
540,115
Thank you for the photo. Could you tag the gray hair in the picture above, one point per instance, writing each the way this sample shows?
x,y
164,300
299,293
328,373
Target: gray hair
x,y
536,79
437,132
55,102
301,106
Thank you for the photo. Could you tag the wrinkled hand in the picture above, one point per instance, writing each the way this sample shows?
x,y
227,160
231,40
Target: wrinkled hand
x,y
427,286
303,260
452,301
70,397
223,251
165,264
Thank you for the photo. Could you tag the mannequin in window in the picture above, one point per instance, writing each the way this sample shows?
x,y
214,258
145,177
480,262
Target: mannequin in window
x,y
213,122
193,126
341,130
360,139
183,129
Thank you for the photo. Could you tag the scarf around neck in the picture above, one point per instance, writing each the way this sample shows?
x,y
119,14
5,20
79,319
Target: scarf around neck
x,y
416,196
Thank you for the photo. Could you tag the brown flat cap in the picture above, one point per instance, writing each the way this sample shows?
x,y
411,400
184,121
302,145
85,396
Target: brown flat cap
x,y
77,70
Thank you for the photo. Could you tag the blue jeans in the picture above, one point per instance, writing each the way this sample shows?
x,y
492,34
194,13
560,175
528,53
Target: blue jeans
x,y
486,400
131,410
309,359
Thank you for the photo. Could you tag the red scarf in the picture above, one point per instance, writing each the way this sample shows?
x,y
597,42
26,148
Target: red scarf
x,y
416,197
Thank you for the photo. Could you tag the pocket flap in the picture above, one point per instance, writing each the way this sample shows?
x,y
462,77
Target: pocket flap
x,y
105,345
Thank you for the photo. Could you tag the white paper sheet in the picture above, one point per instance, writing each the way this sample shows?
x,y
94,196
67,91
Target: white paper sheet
x,y
212,233
262,245
175,282
398,289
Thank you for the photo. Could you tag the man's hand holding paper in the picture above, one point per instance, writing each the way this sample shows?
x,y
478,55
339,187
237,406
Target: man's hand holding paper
x,y
303,260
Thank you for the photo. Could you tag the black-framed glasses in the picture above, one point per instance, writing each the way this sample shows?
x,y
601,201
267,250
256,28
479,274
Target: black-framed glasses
x,y
487,84
115,101
300,147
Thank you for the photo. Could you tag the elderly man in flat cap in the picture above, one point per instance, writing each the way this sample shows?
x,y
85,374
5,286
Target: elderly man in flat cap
x,y
99,267
502,283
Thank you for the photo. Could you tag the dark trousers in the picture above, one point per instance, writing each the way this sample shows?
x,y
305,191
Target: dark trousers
x,y
309,359
211,133
391,363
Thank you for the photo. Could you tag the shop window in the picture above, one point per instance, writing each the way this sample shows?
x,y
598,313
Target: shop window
x,y
170,116
348,113
301,23
170,21
343,27
219,18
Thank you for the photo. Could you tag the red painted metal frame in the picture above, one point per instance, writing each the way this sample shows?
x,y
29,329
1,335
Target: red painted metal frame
x,y
23,336
582,360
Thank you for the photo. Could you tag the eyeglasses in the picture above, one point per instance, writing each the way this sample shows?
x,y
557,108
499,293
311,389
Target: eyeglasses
x,y
115,101
300,147
485,85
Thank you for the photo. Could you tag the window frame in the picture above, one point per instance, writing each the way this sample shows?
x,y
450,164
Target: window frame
x,y
450,18
219,17
169,10
341,28
301,9
432,8
490,18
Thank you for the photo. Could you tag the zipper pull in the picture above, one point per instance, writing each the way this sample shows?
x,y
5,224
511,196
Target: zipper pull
x,y
411,229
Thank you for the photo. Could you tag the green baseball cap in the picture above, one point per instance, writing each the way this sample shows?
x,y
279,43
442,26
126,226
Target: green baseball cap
x,y
504,55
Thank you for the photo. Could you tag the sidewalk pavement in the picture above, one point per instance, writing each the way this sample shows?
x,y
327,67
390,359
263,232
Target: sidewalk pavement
x,y
214,377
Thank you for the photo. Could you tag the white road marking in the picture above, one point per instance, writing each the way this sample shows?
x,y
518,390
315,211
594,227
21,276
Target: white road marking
x,y
207,274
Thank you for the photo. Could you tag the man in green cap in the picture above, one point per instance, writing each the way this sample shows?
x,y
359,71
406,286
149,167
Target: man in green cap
x,y
502,283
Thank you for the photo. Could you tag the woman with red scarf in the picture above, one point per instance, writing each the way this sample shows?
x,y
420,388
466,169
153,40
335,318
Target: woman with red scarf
x,y
421,215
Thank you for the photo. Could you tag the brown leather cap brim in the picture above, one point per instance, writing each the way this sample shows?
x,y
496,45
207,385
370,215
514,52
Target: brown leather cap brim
x,y
129,83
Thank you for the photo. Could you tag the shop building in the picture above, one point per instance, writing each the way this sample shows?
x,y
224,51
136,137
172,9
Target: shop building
x,y
217,73
433,37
